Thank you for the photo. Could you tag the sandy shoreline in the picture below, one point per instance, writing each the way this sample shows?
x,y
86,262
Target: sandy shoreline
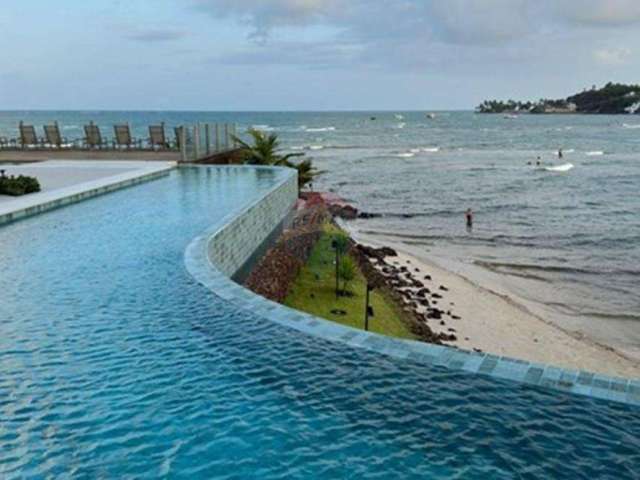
x,y
500,324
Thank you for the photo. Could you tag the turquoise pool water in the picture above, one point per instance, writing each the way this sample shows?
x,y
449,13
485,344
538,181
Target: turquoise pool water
x,y
115,363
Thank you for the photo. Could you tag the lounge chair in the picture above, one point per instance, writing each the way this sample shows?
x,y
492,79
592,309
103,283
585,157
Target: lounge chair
x,y
157,138
53,137
124,138
28,137
93,137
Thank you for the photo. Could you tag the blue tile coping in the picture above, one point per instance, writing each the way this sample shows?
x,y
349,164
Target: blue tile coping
x,y
36,203
201,267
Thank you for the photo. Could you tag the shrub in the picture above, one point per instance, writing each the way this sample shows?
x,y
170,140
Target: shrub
x,y
16,186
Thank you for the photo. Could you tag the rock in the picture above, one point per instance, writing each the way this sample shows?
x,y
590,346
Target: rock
x,y
313,295
451,329
344,211
442,323
436,295
427,277
416,269
455,317
443,288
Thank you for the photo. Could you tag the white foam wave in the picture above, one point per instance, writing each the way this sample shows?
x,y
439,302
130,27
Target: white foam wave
x,y
320,129
401,125
560,168
595,153
631,125
263,128
406,155
431,149
316,147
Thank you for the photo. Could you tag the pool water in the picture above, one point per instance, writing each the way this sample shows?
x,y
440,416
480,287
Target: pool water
x,y
115,363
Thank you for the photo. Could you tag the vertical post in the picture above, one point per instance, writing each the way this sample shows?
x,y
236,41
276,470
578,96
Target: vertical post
x,y
196,140
366,310
337,265
207,132
217,137
183,142
235,134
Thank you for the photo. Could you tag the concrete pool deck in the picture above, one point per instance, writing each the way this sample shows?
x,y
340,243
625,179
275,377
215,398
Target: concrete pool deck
x,y
68,181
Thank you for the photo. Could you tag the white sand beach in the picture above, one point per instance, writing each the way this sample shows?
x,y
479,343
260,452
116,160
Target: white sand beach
x,y
500,324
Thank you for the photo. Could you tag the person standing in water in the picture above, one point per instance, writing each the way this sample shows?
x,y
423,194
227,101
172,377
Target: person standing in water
x,y
469,216
560,155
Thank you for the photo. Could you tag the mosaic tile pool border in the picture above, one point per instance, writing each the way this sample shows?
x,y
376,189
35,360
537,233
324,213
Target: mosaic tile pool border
x,y
204,269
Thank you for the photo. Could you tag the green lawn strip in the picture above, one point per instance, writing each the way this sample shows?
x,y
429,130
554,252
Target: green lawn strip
x,y
314,292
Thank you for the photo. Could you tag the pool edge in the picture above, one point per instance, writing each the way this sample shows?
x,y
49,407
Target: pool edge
x,y
205,271
46,201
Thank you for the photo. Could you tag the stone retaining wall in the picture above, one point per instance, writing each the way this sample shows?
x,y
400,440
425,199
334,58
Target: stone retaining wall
x,y
234,247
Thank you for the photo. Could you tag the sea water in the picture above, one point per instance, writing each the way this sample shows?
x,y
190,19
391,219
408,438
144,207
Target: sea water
x,y
566,241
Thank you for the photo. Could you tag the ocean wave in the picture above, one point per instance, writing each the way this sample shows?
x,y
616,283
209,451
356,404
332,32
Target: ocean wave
x,y
263,127
405,155
401,125
320,129
499,266
631,125
315,147
594,153
430,149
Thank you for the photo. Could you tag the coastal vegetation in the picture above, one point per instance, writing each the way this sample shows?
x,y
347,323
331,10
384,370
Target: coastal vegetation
x,y
17,186
265,150
613,98
313,291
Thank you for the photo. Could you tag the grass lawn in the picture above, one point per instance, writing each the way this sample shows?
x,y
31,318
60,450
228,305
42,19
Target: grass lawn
x,y
317,278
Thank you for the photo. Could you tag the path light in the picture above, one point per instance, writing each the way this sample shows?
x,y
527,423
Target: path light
x,y
334,245
368,309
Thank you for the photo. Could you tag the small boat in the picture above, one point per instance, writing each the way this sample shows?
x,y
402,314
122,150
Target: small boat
x,y
431,116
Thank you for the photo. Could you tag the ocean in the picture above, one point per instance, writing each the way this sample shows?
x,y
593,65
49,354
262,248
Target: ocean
x,y
565,243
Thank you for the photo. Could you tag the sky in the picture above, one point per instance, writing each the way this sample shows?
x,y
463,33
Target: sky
x,y
309,54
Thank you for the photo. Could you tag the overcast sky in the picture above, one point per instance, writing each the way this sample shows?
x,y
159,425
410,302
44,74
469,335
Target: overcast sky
x,y
309,54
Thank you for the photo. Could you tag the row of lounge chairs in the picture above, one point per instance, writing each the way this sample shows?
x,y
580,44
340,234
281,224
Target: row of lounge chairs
x,y
93,139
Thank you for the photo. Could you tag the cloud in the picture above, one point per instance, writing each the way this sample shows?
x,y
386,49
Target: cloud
x,y
605,13
431,36
156,35
264,15
612,56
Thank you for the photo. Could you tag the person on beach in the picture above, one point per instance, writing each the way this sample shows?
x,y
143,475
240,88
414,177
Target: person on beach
x,y
469,216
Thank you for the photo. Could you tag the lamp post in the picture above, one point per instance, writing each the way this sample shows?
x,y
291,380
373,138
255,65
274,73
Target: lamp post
x,y
368,309
334,245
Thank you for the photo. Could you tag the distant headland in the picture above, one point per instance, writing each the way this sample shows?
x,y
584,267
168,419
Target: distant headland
x,y
613,98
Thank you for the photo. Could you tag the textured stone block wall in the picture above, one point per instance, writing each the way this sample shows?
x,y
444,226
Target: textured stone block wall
x,y
233,246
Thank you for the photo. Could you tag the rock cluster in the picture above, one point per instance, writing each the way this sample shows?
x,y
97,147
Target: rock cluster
x,y
418,302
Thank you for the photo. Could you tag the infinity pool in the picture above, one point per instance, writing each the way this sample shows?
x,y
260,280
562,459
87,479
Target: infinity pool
x,y
115,363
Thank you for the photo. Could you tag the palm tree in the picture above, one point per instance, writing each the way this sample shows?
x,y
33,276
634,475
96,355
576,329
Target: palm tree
x,y
306,172
265,151
347,272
